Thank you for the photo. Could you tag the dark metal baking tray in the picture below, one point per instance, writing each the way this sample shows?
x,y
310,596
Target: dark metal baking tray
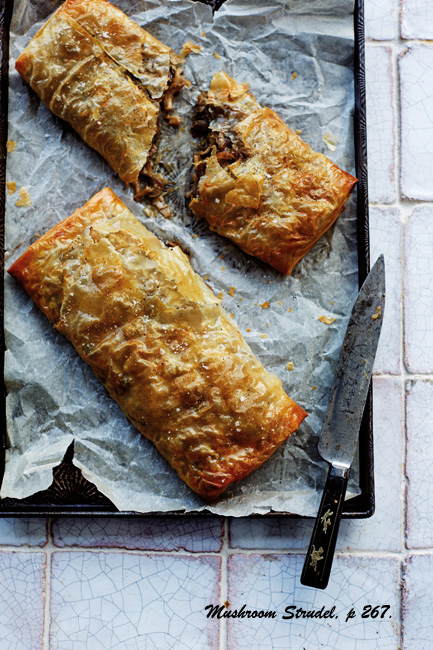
x,y
70,493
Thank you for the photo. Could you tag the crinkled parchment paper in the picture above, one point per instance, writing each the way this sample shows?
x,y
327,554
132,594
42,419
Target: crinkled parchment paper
x,y
53,396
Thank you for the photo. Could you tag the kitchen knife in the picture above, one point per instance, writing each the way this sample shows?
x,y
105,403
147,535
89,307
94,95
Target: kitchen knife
x,y
343,419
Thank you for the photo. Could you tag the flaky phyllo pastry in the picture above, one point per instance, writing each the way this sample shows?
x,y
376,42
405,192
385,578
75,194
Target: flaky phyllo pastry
x,y
104,75
257,182
160,342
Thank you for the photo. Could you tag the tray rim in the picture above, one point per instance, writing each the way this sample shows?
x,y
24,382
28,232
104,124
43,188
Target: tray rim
x,y
361,506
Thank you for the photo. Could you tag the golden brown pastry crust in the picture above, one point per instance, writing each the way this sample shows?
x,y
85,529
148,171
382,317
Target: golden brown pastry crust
x,y
104,75
161,343
279,197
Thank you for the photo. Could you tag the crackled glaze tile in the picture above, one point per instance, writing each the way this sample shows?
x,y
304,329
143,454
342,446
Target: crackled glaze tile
x,y
416,19
23,531
417,602
154,533
379,19
416,81
107,601
418,291
271,583
419,424
383,531
380,120
385,235
22,578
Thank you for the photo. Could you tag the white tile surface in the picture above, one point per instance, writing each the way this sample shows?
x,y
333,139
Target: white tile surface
x,y
416,19
380,19
272,583
418,290
380,124
124,601
417,602
196,534
22,580
23,531
384,530
416,81
385,237
419,424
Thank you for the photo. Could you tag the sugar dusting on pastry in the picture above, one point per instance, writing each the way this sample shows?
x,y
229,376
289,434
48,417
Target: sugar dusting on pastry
x,y
24,201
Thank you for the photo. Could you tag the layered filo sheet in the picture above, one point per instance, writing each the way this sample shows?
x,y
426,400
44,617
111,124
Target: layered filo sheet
x,y
159,340
104,75
257,183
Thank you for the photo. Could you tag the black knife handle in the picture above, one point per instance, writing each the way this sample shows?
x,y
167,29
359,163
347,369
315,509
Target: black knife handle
x,y
318,561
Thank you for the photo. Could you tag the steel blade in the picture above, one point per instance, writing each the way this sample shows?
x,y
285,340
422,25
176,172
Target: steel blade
x,y
353,373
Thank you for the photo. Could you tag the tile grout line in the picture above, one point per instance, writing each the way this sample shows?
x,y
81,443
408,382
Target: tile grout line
x,y
47,604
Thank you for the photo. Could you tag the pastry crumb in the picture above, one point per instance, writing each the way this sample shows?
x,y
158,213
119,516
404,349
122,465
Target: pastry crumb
x,y
314,388
290,366
12,186
330,140
332,302
298,131
289,310
241,299
217,56
263,336
232,315
294,75
231,292
256,304
220,295
377,313
206,277
223,268
203,34
194,236
248,329
280,303
326,319
10,145
267,325
189,48
24,201
221,257
265,305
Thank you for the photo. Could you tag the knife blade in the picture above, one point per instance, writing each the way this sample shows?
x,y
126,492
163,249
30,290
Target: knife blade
x,y
342,421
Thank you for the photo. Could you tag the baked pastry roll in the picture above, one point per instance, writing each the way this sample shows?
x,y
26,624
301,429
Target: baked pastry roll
x,y
159,340
104,75
257,182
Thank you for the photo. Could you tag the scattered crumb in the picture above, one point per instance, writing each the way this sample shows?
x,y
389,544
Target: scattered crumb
x,y
240,298
256,304
332,302
298,131
227,604
314,388
221,257
203,34
330,140
280,303
188,48
231,292
290,366
194,236
294,75
223,268
173,120
217,56
263,336
267,281
12,186
232,315
267,325
289,310
265,305
206,277
24,201
10,145
220,295
327,320
248,329
378,313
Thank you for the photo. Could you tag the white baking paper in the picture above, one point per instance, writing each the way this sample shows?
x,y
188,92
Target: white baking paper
x,y
297,56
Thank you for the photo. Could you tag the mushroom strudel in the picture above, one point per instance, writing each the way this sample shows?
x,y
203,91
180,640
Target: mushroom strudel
x,y
104,75
160,342
257,182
